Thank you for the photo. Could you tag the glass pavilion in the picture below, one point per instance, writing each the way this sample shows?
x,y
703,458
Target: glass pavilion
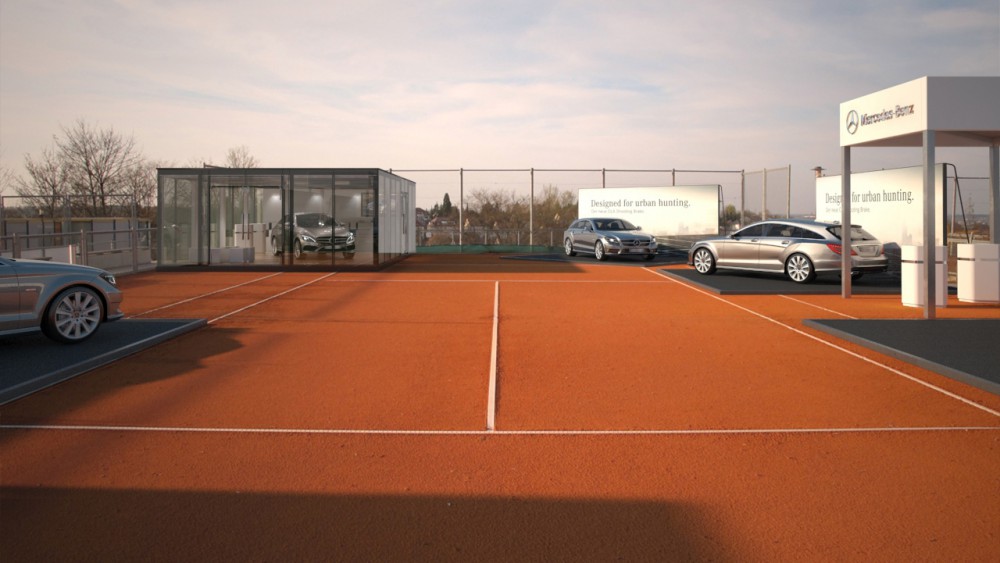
x,y
295,218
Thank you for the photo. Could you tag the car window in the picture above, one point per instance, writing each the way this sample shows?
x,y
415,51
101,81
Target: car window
x,y
799,232
778,230
751,231
857,233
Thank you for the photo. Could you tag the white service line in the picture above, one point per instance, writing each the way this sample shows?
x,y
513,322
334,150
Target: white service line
x,y
818,307
835,347
262,301
348,280
203,295
390,432
491,406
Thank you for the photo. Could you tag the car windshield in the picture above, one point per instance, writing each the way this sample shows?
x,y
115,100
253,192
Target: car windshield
x,y
312,220
614,225
857,233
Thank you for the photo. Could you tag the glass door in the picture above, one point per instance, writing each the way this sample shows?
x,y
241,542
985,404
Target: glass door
x,y
238,209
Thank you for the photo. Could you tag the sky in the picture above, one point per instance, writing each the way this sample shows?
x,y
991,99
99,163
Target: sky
x,y
440,84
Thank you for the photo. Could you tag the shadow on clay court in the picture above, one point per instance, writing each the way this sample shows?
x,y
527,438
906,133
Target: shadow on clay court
x,y
202,526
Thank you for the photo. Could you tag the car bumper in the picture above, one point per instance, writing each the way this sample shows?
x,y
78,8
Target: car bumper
x,y
114,311
328,248
858,264
622,250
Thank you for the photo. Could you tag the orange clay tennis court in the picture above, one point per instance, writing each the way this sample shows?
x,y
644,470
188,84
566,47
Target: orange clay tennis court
x,y
477,408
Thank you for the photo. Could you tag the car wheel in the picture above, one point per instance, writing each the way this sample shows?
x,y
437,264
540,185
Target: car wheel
x,y
568,247
74,315
599,251
799,268
704,261
275,249
650,256
349,255
297,248
855,276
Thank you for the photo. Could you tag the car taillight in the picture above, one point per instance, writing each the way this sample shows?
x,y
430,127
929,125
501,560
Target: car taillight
x,y
836,248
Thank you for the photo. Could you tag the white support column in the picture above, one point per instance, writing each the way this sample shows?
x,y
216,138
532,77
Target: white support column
x,y
930,229
845,225
995,194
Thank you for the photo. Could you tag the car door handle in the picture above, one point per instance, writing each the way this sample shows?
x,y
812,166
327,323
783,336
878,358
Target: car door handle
x,y
786,242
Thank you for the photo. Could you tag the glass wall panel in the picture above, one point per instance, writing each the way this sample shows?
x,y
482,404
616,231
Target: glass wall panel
x,y
178,218
227,214
355,208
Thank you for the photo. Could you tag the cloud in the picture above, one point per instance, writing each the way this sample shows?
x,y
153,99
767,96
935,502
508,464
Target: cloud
x,y
585,84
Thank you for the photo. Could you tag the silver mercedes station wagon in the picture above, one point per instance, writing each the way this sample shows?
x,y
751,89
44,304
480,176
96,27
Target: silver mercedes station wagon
x,y
67,302
800,248
608,236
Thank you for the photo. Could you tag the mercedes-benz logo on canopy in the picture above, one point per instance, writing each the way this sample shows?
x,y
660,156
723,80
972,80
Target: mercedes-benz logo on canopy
x,y
852,122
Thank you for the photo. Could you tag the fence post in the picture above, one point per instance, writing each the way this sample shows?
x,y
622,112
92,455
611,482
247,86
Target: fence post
x,y
84,253
135,249
788,194
17,247
763,211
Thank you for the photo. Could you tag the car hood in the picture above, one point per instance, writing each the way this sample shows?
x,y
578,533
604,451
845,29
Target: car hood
x,y
323,231
46,267
628,235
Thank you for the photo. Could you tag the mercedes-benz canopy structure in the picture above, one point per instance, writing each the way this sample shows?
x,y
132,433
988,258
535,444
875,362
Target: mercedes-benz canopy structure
x,y
928,112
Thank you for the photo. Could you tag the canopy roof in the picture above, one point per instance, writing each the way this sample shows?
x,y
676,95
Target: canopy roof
x,y
962,111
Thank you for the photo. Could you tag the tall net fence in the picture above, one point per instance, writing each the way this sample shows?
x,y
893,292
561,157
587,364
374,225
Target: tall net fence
x,y
464,209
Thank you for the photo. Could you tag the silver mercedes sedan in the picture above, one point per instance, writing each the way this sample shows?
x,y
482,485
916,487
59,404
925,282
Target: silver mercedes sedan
x,y
66,302
608,236
798,247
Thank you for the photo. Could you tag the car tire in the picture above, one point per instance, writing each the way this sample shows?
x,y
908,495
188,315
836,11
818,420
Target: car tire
x,y
855,276
568,247
275,249
599,252
650,256
74,315
704,261
799,268
297,248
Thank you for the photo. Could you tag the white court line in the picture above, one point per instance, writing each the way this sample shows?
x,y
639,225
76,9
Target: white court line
x,y
262,301
835,347
491,406
203,295
818,307
491,280
389,432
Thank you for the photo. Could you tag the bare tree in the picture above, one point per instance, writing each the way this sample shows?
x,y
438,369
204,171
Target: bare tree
x,y
98,161
240,157
139,185
47,184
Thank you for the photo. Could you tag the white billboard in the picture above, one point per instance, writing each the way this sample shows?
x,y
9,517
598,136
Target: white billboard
x,y
666,211
887,203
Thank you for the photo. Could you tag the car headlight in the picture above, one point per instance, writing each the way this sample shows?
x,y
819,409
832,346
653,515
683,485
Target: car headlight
x,y
110,278
308,238
350,238
613,240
